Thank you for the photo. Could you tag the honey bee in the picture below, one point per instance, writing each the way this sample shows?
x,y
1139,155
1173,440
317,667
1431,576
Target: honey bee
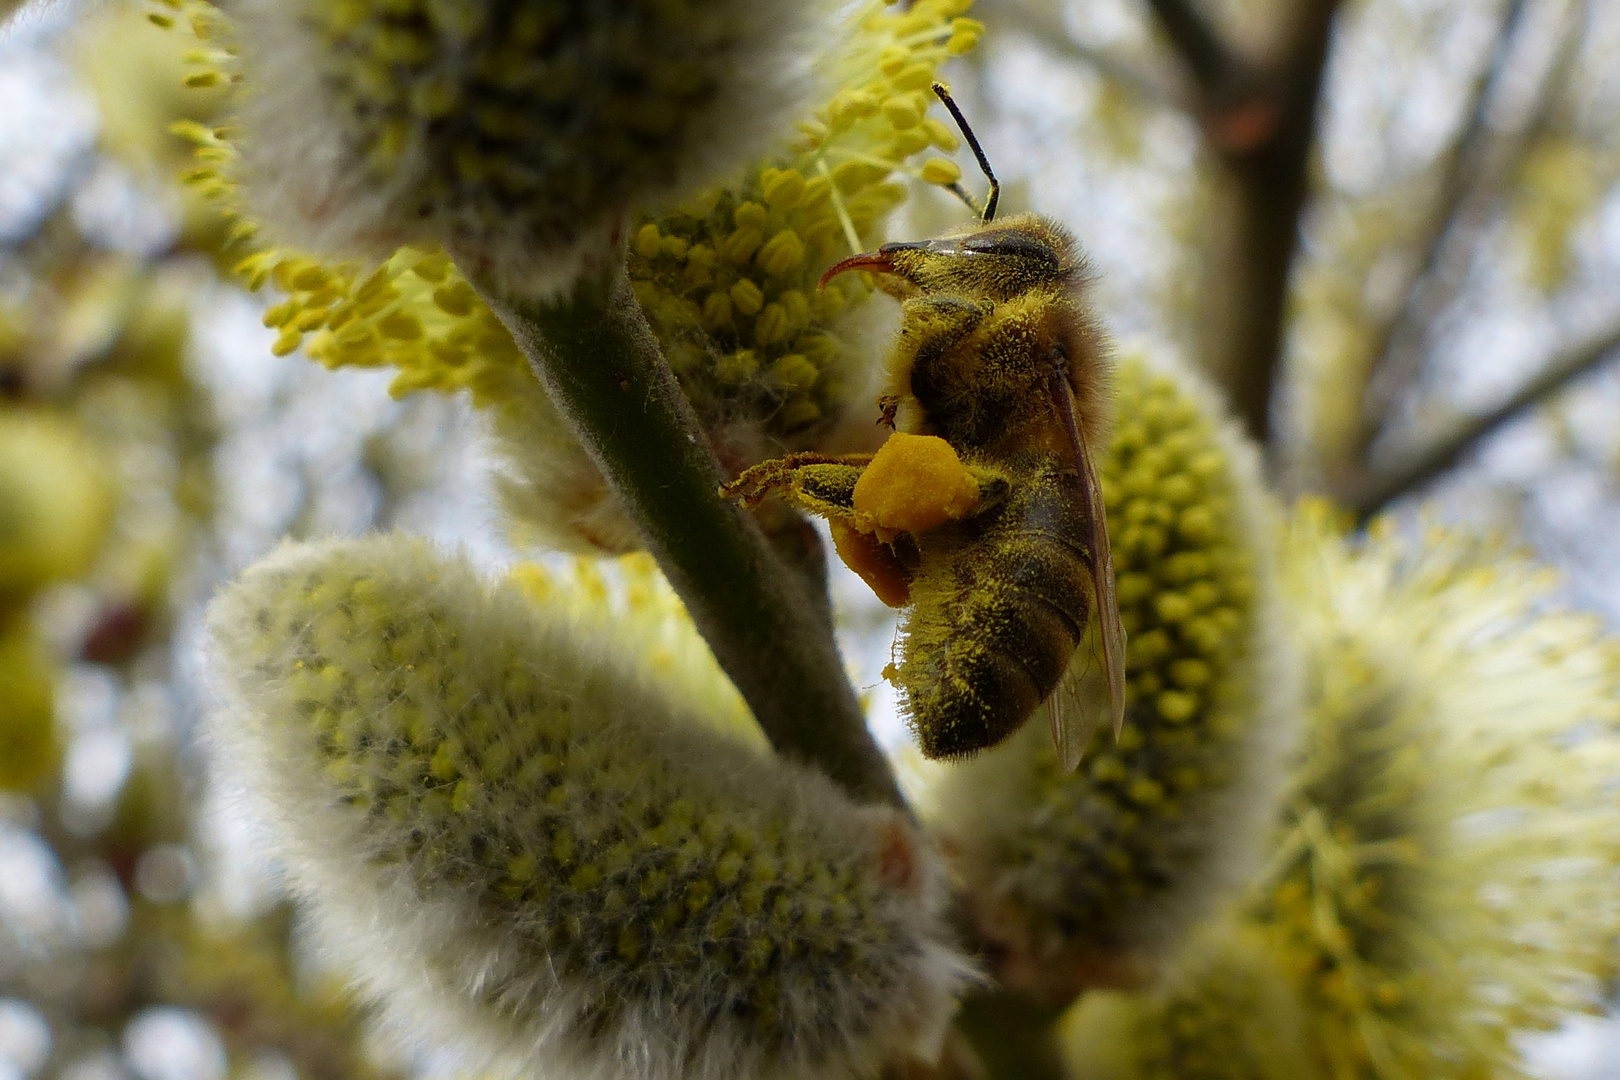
x,y
982,515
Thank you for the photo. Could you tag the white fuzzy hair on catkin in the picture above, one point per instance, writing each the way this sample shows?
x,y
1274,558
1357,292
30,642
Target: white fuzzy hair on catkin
x,y
520,159
528,847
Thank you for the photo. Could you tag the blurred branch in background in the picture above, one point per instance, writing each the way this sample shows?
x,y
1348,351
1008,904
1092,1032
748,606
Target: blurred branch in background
x,y
1531,46
1046,23
1260,118
1373,491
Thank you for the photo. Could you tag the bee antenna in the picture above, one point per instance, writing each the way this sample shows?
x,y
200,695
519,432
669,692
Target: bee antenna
x,y
988,214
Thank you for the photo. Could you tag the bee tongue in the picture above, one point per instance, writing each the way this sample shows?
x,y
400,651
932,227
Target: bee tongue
x,y
880,261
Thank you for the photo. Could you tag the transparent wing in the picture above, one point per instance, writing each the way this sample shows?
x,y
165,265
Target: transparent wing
x,y
1110,633
1069,707
1077,706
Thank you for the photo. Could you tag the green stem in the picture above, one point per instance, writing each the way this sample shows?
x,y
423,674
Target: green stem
x,y
602,367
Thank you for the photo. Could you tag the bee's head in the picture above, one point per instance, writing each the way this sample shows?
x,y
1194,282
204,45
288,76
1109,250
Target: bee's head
x,y
991,262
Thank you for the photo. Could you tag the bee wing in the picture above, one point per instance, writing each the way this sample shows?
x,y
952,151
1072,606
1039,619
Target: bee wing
x,y
1077,706
1105,631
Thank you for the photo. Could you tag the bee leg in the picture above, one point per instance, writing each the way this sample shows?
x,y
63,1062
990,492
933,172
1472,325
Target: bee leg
x,y
825,486
820,484
890,405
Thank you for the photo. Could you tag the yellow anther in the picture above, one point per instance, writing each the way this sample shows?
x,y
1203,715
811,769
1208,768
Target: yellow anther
x,y
795,371
747,297
937,170
781,253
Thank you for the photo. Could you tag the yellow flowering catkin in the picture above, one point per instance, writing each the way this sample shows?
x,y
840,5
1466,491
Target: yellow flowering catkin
x,y
1227,1011
729,279
54,504
766,359
514,132
1446,874
532,845
1448,871
1092,878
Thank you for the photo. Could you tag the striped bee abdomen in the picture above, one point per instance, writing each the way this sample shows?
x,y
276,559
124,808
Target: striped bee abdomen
x,y
990,638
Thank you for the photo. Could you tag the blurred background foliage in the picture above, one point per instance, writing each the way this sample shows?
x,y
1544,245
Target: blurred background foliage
x,y
1390,228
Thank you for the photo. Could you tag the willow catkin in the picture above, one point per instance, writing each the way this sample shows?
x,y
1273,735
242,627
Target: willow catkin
x,y
528,844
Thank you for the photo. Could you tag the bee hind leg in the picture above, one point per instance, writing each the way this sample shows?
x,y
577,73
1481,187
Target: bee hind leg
x,y
819,484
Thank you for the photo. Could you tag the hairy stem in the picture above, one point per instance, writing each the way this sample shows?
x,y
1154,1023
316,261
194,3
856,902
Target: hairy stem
x,y
599,362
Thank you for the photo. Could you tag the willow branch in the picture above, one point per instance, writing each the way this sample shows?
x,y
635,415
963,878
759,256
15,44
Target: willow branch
x,y
1262,121
602,368
1213,64
1376,490
1465,190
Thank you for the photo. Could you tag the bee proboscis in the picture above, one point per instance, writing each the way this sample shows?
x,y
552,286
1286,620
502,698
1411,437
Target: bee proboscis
x,y
982,515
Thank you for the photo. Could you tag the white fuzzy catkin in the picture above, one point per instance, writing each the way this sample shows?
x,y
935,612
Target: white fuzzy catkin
x,y
532,846
1093,878
518,135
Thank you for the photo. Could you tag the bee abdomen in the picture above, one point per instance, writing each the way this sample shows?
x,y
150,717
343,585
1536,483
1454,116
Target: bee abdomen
x,y
983,653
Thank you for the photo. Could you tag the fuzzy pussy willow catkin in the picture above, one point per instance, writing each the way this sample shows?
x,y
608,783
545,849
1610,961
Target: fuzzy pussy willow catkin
x,y
530,845
726,277
517,134
1093,877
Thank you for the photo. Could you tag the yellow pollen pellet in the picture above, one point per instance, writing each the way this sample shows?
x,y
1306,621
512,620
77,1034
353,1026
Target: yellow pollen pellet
x,y
915,483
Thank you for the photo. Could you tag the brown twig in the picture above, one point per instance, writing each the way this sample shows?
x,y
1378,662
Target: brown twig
x,y
1262,121
1213,65
1371,492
